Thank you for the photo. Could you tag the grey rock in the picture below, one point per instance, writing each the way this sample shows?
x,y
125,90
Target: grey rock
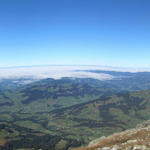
x,y
115,147
141,147
131,141
96,141
129,148
106,148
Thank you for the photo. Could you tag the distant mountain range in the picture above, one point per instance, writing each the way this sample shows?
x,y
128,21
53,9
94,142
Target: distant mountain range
x,y
70,111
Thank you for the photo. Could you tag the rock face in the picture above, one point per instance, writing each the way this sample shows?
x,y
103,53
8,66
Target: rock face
x,y
133,139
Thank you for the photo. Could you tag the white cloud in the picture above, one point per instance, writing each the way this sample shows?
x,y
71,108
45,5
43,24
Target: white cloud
x,y
58,72
55,72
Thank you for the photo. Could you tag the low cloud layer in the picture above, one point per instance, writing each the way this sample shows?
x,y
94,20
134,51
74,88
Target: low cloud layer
x,y
58,72
55,72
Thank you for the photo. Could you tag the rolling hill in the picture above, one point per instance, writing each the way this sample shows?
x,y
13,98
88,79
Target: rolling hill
x,y
81,122
28,95
70,112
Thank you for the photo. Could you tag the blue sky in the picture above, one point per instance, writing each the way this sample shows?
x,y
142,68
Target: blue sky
x,y
89,32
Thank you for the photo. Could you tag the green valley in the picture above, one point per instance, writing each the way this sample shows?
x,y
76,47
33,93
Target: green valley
x,y
60,114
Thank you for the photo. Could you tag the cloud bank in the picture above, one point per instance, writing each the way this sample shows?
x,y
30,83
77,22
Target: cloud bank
x,y
57,72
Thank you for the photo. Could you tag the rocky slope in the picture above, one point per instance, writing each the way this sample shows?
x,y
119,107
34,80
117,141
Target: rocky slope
x,y
133,139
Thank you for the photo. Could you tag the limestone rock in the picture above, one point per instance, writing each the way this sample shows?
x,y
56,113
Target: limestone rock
x,y
96,141
141,147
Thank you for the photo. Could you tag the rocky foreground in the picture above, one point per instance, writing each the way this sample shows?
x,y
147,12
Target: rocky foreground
x,y
133,139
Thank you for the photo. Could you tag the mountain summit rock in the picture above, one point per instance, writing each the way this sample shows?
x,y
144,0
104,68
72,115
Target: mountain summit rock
x,y
133,139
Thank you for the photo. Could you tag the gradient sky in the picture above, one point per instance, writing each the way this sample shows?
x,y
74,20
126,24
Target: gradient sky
x,y
89,32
